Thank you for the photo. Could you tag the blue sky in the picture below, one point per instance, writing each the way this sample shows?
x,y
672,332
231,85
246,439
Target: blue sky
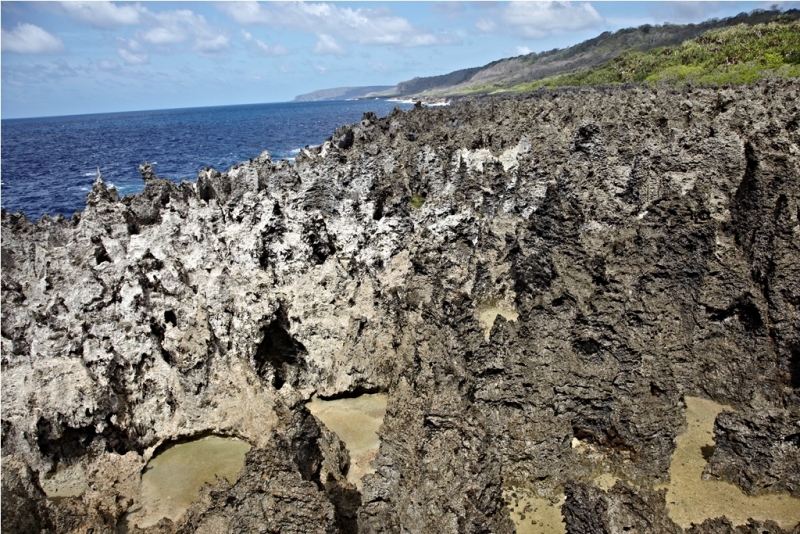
x,y
64,58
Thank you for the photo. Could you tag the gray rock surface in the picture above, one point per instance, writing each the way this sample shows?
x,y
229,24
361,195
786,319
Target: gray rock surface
x,y
648,239
590,510
758,451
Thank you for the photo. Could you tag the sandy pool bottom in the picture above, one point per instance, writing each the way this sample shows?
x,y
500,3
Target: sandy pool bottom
x,y
690,499
487,313
356,421
174,477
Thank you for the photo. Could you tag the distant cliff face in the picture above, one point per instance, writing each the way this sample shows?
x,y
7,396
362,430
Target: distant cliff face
x,y
505,74
648,241
340,93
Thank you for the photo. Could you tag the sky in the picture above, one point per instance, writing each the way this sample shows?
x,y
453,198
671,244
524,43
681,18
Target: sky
x,y
68,58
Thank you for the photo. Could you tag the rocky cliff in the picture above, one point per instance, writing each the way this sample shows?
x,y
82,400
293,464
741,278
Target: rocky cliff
x,y
648,240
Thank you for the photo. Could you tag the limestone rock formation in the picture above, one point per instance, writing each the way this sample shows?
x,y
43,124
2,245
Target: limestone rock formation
x,y
647,238
758,451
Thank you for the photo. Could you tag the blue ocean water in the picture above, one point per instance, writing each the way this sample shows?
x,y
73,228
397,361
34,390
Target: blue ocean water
x,y
49,164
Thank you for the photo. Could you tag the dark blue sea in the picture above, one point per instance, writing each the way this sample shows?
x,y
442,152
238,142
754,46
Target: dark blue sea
x,y
49,164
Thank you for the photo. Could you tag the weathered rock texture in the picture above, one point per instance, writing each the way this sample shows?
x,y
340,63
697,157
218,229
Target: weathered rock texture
x,y
648,238
758,451
590,510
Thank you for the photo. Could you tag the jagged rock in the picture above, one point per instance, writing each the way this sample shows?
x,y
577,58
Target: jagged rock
x,y
590,510
759,451
721,525
269,496
649,248
25,507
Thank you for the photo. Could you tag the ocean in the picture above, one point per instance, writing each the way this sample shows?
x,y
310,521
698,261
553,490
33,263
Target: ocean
x,y
49,164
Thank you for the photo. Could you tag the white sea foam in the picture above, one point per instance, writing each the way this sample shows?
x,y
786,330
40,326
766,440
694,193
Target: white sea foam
x,y
295,151
426,104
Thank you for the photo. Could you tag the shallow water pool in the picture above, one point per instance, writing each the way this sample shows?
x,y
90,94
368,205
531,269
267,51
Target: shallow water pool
x,y
356,422
174,477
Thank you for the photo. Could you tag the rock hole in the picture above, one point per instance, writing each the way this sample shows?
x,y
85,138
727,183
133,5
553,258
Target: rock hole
x,y
169,317
586,347
377,215
279,352
348,140
750,317
101,255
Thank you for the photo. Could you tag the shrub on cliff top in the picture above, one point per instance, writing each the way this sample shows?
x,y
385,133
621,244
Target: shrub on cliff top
x,y
739,54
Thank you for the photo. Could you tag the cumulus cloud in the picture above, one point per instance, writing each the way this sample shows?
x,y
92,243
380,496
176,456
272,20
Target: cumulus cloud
x,y
131,58
104,15
29,39
261,48
486,25
523,50
360,25
328,45
537,20
184,26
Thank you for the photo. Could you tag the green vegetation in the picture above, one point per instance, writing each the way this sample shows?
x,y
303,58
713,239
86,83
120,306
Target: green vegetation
x,y
738,54
417,201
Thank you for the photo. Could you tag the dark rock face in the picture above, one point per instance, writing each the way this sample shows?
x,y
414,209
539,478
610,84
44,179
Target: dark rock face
x,y
25,507
648,240
758,451
269,496
589,510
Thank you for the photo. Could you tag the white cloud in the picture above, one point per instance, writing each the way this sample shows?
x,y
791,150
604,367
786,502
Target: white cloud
x,y
183,26
261,48
30,39
220,43
486,25
322,69
361,25
328,45
131,58
104,15
537,20
163,36
523,50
